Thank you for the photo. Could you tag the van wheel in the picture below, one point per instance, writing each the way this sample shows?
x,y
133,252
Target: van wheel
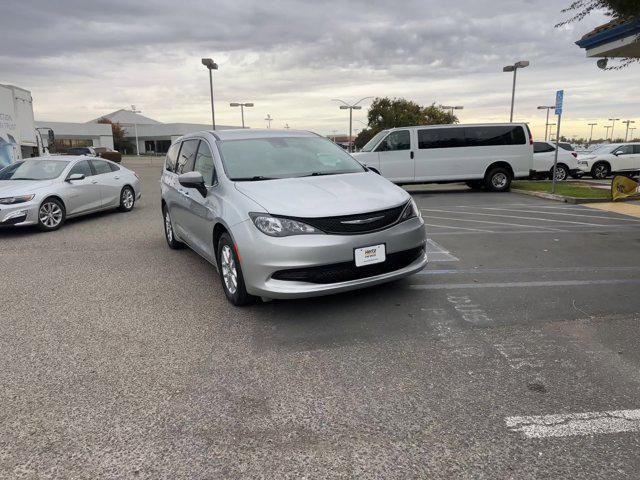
x,y
474,184
498,180
231,273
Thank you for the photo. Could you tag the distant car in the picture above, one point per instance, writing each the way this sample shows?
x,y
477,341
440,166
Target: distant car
x,y
543,157
108,153
80,151
45,191
616,158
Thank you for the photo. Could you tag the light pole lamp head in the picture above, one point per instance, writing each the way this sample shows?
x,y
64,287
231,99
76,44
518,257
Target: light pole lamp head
x,y
248,104
234,104
458,107
210,64
357,107
522,64
508,68
344,107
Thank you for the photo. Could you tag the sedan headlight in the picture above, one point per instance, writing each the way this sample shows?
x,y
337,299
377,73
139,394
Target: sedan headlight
x,y
279,226
410,211
14,200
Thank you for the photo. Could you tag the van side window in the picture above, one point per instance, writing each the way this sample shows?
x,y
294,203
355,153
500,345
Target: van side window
x,y
398,140
172,157
498,135
187,156
636,149
441,138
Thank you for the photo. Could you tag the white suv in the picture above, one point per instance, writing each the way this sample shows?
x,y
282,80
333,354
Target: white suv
x,y
622,158
543,157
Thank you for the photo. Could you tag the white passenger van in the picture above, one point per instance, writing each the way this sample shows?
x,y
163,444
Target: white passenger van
x,y
482,155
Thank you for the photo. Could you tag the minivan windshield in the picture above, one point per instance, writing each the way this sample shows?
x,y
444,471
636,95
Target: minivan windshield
x,y
371,144
33,170
284,157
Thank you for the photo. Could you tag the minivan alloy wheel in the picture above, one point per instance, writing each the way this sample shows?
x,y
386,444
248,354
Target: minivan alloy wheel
x,y
167,226
229,271
50,214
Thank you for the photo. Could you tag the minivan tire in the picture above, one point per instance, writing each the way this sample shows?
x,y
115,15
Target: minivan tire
x,y
230,272
169,233
498,179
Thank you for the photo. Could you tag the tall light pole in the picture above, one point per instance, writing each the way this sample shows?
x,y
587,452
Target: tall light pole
x,y
546,123
591,134
135,127
351,108
514,68
452,108
211,65
269,119
241,105
607,134
613,124
626,135
633,129
551,133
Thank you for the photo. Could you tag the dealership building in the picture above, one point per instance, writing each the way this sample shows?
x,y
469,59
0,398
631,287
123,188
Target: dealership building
x,y
154,137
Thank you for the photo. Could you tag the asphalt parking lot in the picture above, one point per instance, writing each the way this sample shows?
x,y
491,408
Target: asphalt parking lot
x,y
121,358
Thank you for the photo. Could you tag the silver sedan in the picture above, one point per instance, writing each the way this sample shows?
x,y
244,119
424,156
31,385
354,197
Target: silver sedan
x,y
45,191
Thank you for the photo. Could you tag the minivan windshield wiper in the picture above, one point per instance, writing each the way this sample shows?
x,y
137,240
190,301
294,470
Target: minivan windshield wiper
x,y
255,178
319,174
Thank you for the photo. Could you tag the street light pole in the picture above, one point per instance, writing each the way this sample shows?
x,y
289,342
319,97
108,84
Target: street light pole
x,y
626,135
613,124
633,129
546,124
211,65
135,127
241,105
269,119
591,134
351,108
452,108
607,134
514,68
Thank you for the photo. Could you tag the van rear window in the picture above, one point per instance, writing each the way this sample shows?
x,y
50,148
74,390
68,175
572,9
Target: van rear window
x,y
455,137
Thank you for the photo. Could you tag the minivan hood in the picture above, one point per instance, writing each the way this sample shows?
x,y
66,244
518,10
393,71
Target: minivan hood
x,y
325,196
12,188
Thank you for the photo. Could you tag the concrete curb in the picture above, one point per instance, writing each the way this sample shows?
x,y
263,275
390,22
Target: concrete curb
x,y
561,198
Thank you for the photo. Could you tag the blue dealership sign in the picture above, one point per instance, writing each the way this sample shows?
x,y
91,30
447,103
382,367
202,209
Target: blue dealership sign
x,y
559,101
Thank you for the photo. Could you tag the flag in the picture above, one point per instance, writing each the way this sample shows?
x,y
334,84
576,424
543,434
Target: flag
x,y
624,187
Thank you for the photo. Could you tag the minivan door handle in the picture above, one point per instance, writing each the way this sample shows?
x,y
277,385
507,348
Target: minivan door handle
x,y
411,155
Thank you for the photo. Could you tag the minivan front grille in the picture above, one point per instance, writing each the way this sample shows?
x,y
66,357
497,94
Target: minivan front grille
x,y
343,272
355,224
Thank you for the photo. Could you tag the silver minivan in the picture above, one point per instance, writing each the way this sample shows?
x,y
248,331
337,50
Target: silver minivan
x,y
286,214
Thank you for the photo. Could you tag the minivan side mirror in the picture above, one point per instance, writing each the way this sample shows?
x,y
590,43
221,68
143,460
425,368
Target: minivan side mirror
x,y
75,176
193,180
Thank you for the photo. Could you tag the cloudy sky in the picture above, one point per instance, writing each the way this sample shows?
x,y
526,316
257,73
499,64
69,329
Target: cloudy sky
x,y
85,58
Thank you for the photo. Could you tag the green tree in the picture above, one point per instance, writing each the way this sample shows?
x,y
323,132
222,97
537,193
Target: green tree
x,y
387,113
120,143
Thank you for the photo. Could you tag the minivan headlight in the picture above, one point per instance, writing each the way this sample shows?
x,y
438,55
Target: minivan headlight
x,y
14,200
279,226
410,211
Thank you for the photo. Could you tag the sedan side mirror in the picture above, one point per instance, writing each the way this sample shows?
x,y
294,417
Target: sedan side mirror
x,y
75,176
193,180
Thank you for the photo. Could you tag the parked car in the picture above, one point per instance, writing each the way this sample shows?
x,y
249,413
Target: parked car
x,y
45,191
285,214
616,158
108,153
90,151
489,155
544,156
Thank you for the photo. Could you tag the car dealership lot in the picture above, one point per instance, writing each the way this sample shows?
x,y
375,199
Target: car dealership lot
x,y
122,358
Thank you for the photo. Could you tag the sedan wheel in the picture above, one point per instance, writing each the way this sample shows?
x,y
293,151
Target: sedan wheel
x,y
229,271
50,215
127,199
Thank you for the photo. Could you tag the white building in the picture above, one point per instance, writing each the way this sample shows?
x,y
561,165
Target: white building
x,y
77,134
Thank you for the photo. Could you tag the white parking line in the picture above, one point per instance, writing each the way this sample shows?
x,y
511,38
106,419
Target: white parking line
x,y
480,271
497,223
570,424
513,216
561,213
460,228
437,253
547,283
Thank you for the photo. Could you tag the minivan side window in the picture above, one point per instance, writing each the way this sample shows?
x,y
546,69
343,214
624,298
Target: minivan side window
x,y
172,157
204,163
187,156
441,138
398,140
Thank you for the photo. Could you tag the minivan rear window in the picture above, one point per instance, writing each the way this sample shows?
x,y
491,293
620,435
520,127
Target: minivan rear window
x,y
455,137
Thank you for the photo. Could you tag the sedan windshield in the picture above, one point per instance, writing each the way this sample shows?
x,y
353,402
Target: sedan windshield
x,y
33,170
284,157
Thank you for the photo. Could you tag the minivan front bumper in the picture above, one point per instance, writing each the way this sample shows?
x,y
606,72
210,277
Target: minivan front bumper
x,y
262,258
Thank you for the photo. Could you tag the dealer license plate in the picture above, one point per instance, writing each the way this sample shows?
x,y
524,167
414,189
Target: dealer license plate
x,y
370,255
